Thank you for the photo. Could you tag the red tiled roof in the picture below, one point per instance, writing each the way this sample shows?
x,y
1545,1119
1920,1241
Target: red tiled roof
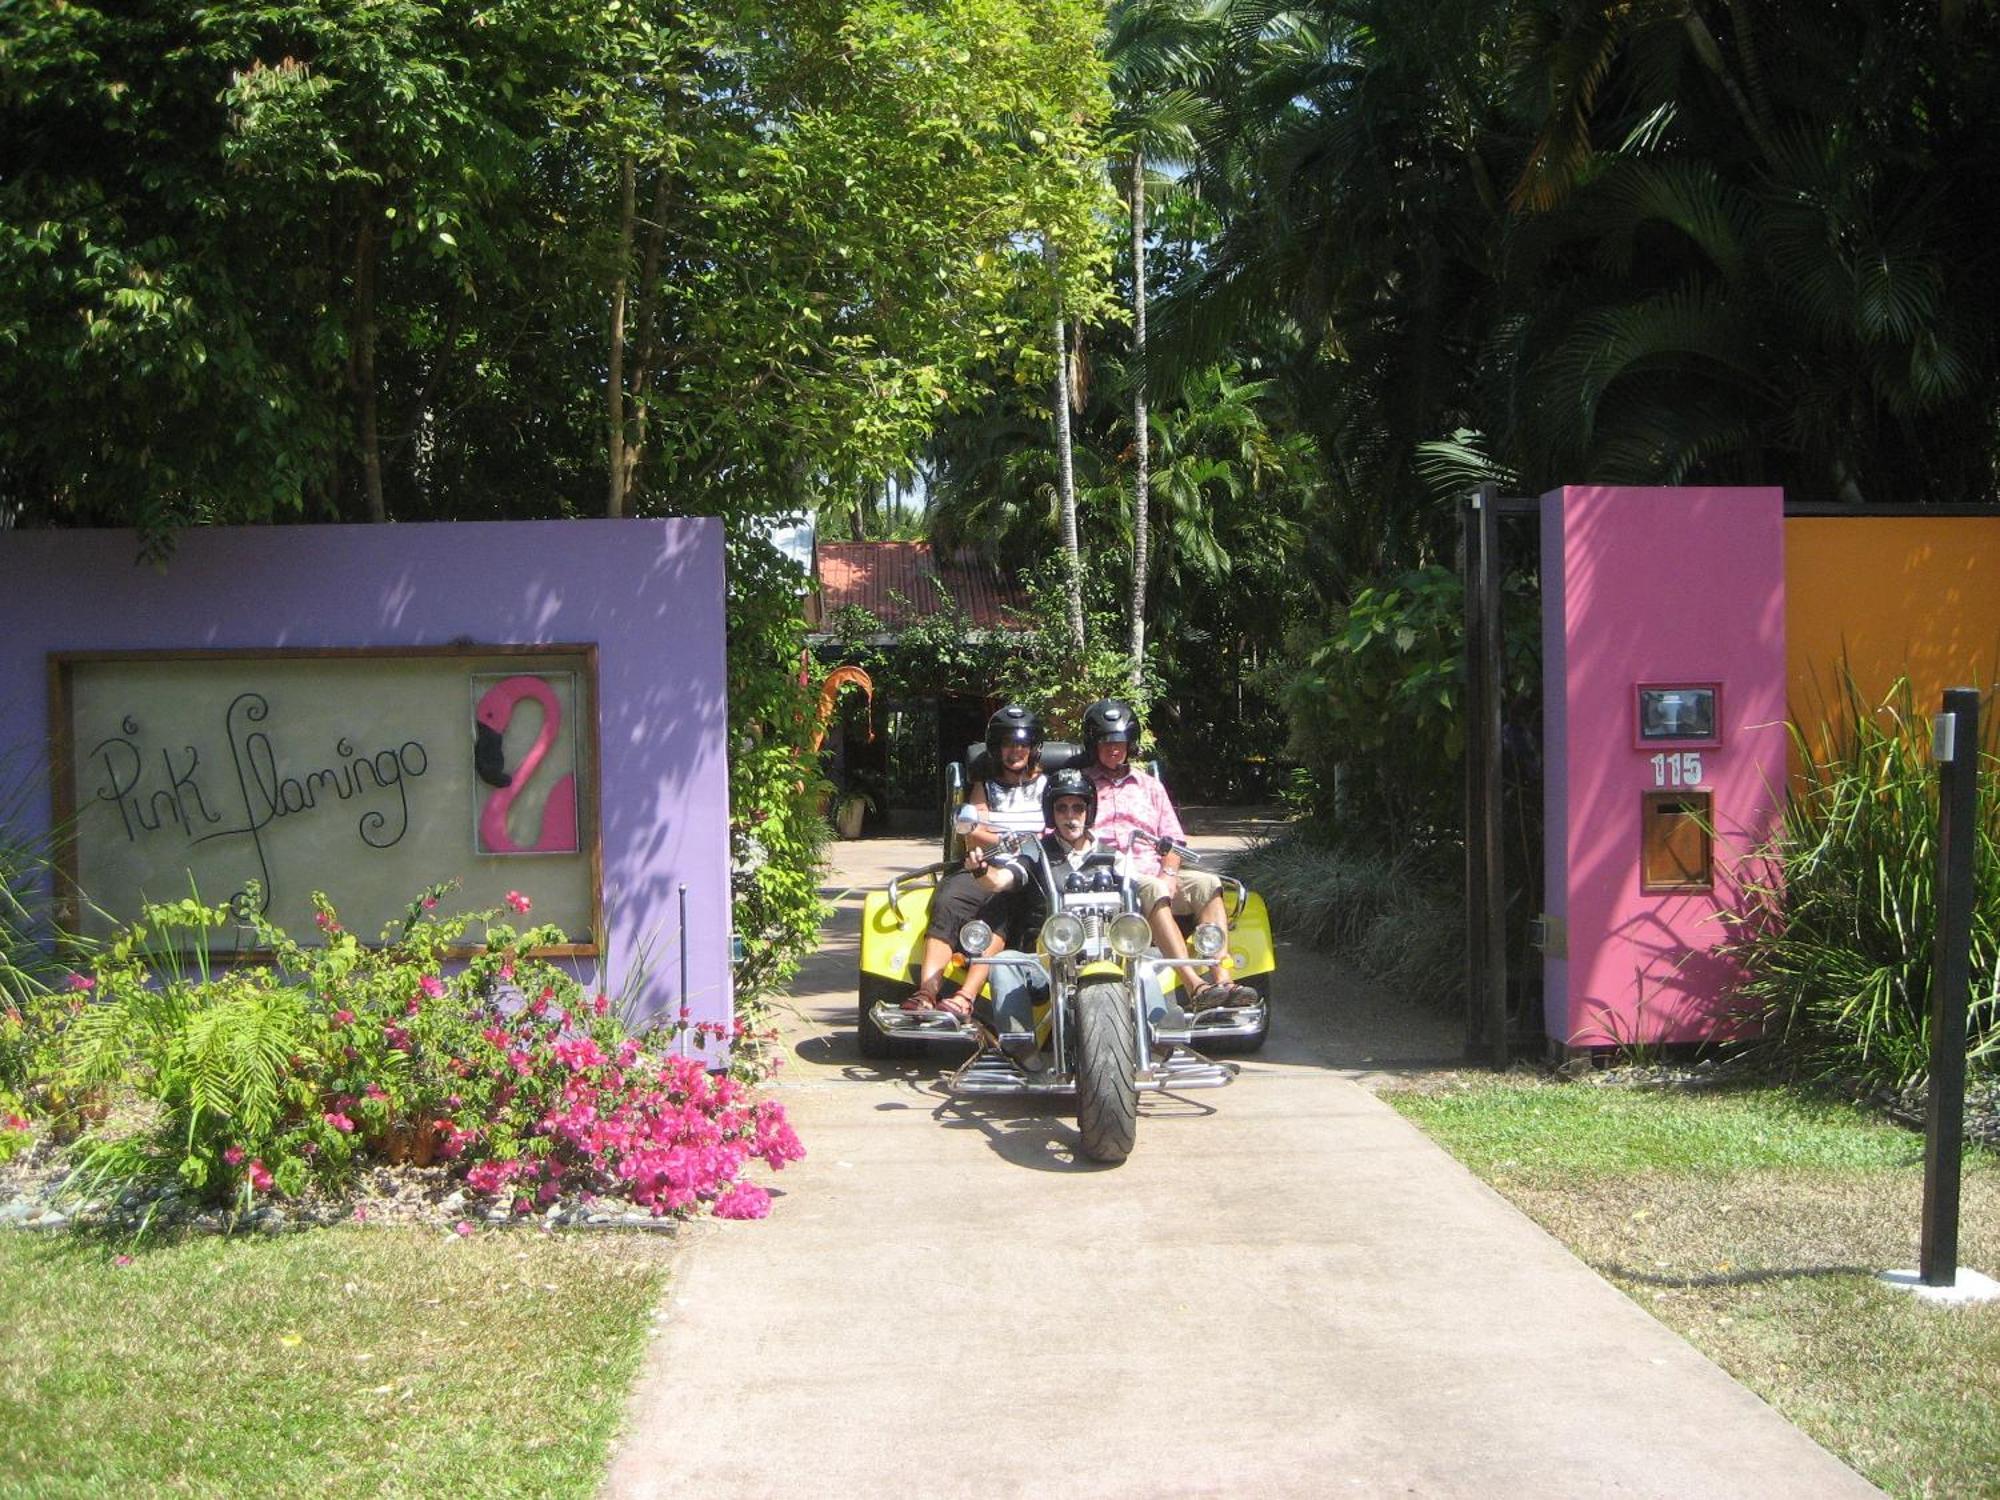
x,y
870,573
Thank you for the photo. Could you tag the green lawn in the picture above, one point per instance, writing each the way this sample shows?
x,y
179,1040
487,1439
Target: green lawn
x,y
1752,1221
347,1361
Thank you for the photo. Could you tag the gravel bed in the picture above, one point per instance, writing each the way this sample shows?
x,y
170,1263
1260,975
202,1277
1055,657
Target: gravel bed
x,y
33,1197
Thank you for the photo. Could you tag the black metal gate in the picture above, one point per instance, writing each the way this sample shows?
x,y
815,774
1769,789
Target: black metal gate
x,y
1501,539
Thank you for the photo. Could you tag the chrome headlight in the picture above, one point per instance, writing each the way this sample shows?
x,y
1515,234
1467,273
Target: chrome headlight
x,y
1130,934
1206,941
974,938
1062,934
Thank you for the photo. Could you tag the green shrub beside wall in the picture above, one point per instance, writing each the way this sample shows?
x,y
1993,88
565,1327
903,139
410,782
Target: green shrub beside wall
x,y
1840,945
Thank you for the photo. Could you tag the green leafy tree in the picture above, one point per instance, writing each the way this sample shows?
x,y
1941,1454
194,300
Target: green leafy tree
x,y
331,260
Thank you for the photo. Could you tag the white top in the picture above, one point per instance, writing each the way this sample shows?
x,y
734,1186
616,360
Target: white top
x,y
1074,858
1016,809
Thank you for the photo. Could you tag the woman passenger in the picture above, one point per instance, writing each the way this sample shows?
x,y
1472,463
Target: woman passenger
x,y
1009,801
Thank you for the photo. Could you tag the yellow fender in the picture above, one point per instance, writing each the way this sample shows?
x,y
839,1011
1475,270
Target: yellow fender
x,y
892,939
891,945
1250,949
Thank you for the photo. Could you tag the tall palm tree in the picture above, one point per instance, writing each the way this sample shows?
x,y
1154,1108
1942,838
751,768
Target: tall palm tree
x,y
1065,393
1158,52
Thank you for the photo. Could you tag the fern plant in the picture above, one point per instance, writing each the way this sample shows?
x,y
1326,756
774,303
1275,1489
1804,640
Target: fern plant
x,y
219,1054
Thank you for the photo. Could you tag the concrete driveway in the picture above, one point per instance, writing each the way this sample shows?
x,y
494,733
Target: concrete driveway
x,y
1286,1291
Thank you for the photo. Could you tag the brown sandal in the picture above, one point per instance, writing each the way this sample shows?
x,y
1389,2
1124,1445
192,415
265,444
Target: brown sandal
x,y
923,997
1221,993
957,1006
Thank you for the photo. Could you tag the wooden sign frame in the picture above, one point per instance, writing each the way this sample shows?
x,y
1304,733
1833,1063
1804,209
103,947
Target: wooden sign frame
x,y
175,791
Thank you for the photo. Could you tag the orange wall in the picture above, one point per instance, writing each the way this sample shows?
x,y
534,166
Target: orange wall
x,y
1917,595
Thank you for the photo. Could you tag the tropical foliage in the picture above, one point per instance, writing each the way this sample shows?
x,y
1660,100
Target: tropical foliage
x,y
1540,242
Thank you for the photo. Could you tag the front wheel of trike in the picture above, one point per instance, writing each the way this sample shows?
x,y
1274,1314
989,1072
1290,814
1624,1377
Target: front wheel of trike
x,y
1107,1055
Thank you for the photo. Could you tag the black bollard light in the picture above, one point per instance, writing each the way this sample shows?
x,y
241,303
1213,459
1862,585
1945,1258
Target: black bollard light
x,y
1955,747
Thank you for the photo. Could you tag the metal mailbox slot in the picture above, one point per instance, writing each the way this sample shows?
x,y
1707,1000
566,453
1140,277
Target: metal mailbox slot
x,y
1676,846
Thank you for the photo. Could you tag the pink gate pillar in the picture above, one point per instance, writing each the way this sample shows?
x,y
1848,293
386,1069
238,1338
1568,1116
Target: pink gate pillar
x,y
1663,630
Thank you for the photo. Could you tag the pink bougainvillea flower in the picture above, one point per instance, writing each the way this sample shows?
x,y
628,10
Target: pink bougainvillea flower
x,y
373,1091
339,1121
462,1228
519,902
745,1200
343,1018
430,903
260,1180
506,973
361,1212
326,922
431,985
233,1155
82,982
396,1038
600,1004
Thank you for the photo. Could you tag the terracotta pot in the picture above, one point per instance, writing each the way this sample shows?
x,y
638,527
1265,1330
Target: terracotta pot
x,y
412,1143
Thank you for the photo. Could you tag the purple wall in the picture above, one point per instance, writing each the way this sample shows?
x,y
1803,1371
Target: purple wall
x,y
648,593
1650,586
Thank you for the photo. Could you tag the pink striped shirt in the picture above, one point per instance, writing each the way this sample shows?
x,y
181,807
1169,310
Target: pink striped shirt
x,y
1134,801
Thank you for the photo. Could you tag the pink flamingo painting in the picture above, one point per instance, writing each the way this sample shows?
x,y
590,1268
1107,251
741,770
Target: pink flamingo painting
x,y
490,717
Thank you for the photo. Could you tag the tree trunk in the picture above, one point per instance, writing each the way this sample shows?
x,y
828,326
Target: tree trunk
x,y
646,359
1065,469
365,329
1141,435
615,392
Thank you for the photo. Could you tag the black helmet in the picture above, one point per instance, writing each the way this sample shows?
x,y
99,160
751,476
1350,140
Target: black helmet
x,y
1068,782
1013,725
1108,719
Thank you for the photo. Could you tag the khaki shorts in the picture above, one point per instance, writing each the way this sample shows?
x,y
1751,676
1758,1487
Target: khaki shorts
x,y
1196,889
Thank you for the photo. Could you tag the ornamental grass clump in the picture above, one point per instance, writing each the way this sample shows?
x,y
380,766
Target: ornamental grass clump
x,y
1838,945
35,1003
292,1072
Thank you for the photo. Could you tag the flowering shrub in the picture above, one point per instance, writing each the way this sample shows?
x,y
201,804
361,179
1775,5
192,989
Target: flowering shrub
x,y
274,1076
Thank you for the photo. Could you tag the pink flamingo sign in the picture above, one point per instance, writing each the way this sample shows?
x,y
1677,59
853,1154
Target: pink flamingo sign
x,y
526,761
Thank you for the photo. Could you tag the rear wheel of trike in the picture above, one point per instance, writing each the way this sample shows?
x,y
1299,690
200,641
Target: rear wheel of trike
x,y
875,1042
1261,983
1107,1054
